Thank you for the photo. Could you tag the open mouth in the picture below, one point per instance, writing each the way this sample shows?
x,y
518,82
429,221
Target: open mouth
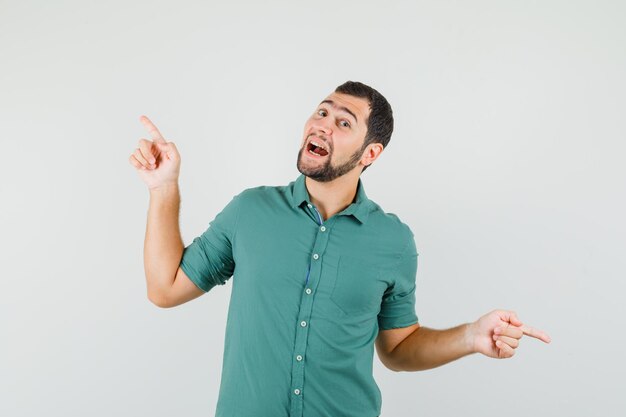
x,y
316,149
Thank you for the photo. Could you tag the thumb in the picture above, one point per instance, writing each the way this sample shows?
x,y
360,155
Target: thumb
x,y
512,318
169,148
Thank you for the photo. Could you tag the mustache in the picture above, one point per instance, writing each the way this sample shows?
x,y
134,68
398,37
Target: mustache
x,y
324,138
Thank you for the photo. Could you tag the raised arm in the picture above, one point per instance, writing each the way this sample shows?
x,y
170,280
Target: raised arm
x,y
158,164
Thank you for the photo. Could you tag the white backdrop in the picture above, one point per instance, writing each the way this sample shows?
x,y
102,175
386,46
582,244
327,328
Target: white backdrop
x,y
506,162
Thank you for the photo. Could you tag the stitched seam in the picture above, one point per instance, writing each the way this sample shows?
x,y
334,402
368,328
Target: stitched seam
x,y
232,239
408,242
399,258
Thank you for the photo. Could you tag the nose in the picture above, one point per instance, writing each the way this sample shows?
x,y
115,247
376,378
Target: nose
x,y
323,125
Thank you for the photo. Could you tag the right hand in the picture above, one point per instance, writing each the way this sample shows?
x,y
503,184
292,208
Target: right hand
x,y
166,166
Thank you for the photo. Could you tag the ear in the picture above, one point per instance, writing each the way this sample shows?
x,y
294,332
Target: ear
x,y
371,153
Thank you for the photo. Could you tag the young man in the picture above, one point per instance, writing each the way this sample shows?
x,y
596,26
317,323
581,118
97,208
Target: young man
x,y
322,274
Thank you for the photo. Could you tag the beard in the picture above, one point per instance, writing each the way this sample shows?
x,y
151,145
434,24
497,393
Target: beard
x,y
324,170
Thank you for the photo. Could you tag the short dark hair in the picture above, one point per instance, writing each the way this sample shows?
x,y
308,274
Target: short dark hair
x,y
380,120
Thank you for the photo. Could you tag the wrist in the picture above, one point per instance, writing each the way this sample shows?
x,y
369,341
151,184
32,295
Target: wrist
x,y
470,338
164,187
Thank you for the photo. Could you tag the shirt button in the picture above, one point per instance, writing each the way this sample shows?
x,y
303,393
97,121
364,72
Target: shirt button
x,y
299,358
309,205
315,256
303,323
296,391
323,228
308,291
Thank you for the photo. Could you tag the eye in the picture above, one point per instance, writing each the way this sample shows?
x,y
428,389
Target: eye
x,y
322,111
346,123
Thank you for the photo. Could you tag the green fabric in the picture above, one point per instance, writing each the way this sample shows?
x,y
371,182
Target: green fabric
x,y
290,351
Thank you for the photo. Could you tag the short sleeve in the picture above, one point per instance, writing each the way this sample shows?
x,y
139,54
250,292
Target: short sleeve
x,y
208,261
398,304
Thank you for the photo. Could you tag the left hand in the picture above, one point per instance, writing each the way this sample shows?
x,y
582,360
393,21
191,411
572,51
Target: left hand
x,y
497,334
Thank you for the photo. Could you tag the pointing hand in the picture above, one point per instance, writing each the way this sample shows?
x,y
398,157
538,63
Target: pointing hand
x,y
157,161
497,334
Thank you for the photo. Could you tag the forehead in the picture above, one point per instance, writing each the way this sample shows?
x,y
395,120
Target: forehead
x,y
357,105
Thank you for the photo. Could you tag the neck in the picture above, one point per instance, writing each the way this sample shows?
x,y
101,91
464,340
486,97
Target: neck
x,y
334,196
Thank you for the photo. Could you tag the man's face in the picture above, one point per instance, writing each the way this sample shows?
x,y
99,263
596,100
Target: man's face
x,y
339,124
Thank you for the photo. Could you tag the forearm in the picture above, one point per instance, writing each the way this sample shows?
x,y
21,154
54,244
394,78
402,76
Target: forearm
x,y
429,348
163,245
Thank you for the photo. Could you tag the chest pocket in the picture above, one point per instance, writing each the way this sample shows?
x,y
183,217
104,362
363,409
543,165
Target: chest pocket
x,y
358,287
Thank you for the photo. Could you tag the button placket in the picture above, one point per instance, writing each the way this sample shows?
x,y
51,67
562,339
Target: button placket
x,y
306,309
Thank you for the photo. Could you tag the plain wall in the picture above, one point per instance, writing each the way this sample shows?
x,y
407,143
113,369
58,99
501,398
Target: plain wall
x,y
507,162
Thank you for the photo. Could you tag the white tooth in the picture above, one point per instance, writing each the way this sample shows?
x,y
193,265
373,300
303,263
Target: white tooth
x,y
318,145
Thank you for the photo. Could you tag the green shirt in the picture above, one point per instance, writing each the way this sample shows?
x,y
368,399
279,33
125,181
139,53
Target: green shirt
x,y
308,299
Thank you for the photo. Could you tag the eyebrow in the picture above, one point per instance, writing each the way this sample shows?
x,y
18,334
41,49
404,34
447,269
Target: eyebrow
x,y
332,103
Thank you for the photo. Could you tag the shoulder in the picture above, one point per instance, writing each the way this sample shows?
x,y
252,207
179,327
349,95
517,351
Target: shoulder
x,y
264,199
391,224
262,193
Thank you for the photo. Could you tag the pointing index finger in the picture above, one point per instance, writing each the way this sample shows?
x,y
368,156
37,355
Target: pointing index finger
x,y
536,333
154,132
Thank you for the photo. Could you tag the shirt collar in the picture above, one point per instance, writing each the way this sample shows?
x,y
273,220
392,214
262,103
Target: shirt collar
x,y
359,208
